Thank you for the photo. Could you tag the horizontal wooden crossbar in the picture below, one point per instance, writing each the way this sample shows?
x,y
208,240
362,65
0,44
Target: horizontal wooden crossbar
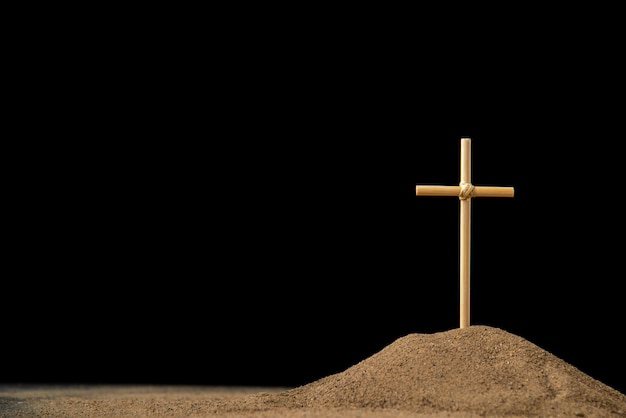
x,y
479,191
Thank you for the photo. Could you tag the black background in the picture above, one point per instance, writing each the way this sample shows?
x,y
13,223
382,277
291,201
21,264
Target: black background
x,y
192,205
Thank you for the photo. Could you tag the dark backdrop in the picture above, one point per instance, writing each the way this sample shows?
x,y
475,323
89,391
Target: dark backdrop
x,y
203,212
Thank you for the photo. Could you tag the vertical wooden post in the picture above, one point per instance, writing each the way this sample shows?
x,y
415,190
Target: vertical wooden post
x,y
465,231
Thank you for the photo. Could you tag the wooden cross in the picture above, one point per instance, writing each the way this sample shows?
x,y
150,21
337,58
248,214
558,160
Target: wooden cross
x,y
465,191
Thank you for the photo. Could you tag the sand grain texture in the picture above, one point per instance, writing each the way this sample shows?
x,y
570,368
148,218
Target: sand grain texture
x,y
471,372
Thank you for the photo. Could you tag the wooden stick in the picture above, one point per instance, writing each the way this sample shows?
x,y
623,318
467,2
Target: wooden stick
x,y
479,191
464,268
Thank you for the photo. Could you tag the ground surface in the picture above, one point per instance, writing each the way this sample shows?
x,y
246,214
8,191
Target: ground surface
x,y
471,372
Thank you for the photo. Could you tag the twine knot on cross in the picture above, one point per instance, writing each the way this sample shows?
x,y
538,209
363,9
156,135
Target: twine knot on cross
x,y
467,190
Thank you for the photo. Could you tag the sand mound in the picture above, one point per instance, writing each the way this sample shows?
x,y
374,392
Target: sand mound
x,y
463,373
475,371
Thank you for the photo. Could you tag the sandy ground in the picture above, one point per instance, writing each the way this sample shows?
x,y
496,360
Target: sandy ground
x,y
168,401
478,371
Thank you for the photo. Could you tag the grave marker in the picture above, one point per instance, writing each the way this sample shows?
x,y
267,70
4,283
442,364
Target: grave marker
x,y
465,191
